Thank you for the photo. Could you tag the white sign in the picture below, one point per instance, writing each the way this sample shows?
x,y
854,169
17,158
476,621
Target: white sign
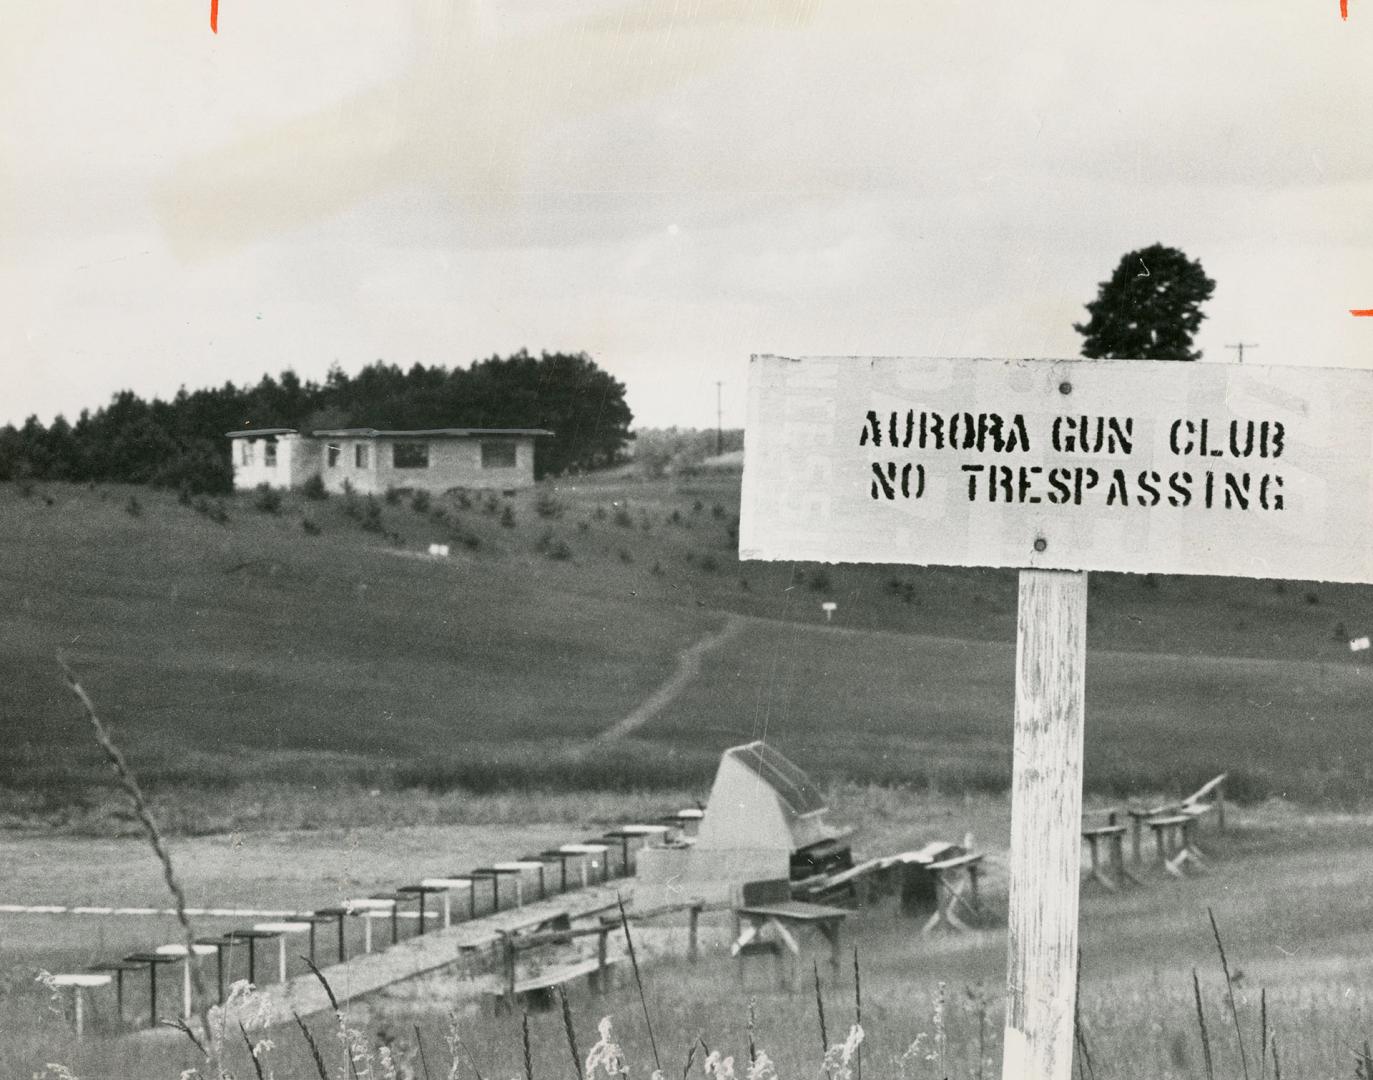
x,y
1138,466
1359,644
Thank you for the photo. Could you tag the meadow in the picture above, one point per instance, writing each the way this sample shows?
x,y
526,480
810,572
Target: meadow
x,y
317,708
1286,886
251,656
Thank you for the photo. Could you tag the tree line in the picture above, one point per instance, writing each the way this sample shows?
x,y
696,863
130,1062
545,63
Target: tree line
x,y
180,443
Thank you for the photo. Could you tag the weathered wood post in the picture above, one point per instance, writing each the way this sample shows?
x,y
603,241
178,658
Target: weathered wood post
x,y
508,957
1046,808
601,940
1056,468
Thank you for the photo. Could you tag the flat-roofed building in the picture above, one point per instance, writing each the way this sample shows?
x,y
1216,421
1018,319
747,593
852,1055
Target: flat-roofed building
x,y
369,460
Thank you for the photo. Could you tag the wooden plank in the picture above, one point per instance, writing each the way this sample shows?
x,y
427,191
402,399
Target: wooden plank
x,y
551,977
798,910
1046,813
1159,488
1206,789
954,863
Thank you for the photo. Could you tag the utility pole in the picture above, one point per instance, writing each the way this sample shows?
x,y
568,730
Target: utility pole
x,y
1240,346
719,420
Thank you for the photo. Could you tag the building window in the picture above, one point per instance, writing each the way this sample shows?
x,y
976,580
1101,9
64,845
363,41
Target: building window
x,y
410,455
269,454
362,455
498,455
245,451
331,455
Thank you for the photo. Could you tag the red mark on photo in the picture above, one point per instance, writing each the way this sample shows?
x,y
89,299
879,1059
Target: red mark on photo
x,y
214,15
1361,312
1344,9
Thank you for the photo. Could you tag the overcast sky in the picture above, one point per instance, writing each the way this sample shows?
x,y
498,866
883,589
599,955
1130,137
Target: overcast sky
x,y
669,185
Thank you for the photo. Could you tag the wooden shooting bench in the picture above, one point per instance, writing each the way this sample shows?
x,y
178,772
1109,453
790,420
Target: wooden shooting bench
x,y
955,880
625,836
150,960
1207,798
767,906
589,852
1210,796
368,908
1108,867
941,876
80,982
853,884
118,968
421,890
1173,835
494,874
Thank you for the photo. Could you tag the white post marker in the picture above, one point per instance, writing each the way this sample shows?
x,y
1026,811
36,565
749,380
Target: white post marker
x,y
1359,644
187,1004
1056,467
828,608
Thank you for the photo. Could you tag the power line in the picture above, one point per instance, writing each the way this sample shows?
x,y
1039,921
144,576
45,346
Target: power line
x,y
1240,346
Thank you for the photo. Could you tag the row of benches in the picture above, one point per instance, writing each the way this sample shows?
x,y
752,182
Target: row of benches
x,y
1174,827
573,865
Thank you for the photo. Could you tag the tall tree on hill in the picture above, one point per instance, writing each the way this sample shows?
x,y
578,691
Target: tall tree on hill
x,y
1149,309
567,393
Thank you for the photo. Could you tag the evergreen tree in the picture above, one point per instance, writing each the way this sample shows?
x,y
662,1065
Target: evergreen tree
x,y
180,443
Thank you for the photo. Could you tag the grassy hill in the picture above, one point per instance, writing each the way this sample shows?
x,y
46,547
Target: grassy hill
x,y
313,644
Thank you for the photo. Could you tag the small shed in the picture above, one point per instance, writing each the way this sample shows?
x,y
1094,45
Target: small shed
x,y
763,811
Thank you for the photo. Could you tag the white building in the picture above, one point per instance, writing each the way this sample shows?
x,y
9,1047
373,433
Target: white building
x,y
436,459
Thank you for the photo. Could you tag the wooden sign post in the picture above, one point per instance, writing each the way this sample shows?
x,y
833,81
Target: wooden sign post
x,y
1058,467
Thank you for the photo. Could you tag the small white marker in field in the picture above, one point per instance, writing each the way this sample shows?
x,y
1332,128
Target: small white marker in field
x,y
828,608
440,550
1358,644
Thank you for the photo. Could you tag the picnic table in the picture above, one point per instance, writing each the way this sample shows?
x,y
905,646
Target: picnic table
x,y
767,913
1208,798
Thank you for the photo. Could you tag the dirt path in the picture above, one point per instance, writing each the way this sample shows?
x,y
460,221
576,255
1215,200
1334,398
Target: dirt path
x,y
688,667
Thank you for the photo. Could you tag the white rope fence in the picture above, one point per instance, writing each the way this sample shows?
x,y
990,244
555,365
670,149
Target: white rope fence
x,y
210,913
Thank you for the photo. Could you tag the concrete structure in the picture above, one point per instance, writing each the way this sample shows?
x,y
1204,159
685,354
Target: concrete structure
x,y
436,459
763,810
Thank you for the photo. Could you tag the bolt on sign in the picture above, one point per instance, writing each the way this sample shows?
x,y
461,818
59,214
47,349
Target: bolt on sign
x,y
1130,465
1057,467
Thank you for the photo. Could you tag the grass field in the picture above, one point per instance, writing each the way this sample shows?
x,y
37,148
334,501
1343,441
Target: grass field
x,y
247,663
1287,886
325,711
